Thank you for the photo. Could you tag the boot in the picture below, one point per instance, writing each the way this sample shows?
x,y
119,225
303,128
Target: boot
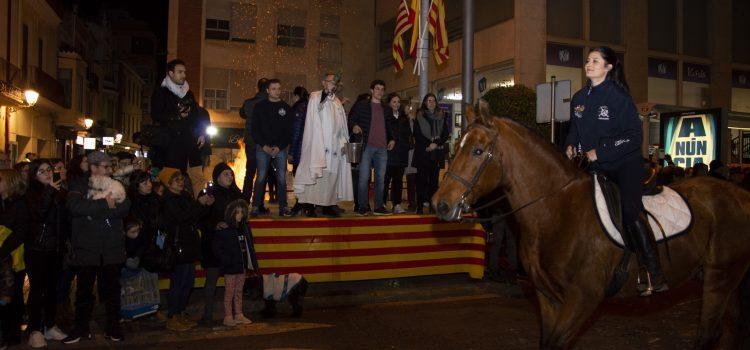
x,y
648,257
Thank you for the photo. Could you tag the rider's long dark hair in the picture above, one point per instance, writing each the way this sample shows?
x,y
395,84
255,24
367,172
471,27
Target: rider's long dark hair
x,y
617,73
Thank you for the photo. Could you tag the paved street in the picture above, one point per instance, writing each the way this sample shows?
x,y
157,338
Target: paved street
x,y
444,312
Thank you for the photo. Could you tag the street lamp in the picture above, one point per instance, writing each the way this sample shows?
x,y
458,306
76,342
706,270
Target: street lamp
x,y
88,122
118,138
31,97
211,130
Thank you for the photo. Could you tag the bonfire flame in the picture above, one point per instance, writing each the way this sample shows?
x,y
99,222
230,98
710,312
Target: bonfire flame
x,y
238,164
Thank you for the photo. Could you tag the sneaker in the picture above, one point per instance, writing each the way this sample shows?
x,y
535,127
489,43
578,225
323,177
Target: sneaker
x,y
115,335
174,324
54,333
241,319
76,336
36,340
362,212
229,321
186,320
381,211
398,209
255,212
285,212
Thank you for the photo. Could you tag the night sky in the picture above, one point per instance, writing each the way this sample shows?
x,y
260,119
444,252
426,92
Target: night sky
x,y
154,12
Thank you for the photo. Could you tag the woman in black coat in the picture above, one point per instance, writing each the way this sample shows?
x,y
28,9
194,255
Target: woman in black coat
x,y
430,135
224,191
14,215
398,157
180,215
45,200
145,209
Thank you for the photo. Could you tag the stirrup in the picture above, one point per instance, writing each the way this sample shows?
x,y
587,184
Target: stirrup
x,y
646,288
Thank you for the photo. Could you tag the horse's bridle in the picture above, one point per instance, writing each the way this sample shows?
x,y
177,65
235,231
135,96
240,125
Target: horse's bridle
x,y
469,185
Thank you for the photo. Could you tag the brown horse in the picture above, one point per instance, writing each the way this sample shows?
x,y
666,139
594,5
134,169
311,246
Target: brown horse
x,y
563,248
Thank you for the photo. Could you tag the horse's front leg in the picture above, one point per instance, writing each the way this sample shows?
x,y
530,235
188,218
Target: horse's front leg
x,y
575,309
548,309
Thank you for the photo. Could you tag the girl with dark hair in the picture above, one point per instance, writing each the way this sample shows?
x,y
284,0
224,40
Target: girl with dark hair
x,y
430,135
77,167
398,157
144,208
45,200
606,128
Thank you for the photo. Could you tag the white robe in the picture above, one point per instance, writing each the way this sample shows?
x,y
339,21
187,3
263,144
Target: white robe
x,y
324,174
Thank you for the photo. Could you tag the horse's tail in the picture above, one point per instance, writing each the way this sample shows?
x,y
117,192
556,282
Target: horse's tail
x,y
743,324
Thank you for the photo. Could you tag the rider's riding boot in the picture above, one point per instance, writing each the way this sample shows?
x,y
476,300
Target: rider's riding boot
x,y
648,257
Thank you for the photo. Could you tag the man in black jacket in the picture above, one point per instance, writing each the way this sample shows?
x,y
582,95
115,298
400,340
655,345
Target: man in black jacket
x,y
272,131
246,112
174,108
98,250
368,117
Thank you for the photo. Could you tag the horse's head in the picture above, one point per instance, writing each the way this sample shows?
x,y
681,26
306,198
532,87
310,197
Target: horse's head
x,y
475,170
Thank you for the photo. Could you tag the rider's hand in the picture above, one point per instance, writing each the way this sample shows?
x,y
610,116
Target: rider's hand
x,y
591,155
570,152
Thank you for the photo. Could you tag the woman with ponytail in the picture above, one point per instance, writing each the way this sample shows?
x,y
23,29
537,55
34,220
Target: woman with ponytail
x,y
606,128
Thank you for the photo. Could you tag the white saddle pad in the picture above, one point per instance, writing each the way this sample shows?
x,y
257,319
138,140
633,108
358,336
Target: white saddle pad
x,y
669,208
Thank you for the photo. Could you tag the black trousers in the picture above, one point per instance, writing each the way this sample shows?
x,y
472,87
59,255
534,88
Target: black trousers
x,y
250,168
44,269
394,179
427,181
411,189
107,278
12,313
628,174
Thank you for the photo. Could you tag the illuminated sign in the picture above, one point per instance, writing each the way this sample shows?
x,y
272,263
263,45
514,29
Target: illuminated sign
x,y
691,138
89,143
108,141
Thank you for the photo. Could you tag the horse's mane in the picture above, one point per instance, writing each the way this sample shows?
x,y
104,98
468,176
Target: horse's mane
x,y
539,147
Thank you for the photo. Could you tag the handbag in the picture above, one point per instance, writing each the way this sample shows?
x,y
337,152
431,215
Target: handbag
x,y
161,257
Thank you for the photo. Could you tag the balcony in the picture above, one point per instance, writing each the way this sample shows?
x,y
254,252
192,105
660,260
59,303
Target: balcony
x,y
48,87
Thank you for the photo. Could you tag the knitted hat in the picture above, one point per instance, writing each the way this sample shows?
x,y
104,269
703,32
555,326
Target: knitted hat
x,y
218,169
168,174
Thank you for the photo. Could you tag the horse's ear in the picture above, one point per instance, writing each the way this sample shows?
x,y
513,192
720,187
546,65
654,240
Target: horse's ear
x,y
484,110
470,114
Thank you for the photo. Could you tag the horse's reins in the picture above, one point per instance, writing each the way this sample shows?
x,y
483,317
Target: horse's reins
x,y
469,185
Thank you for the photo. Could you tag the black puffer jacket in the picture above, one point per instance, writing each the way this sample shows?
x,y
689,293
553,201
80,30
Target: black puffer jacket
x,y
145,208
49,223
97,231
183,132
234,245
222,198
399,155
180,215
14,214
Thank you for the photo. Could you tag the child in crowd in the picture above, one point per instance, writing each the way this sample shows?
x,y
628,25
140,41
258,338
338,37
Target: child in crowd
x,y
234,249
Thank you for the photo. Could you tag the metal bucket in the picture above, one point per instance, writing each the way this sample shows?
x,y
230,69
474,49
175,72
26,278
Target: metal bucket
x,y
354,152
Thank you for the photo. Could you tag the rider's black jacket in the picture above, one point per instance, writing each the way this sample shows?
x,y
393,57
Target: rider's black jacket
x,y
604,118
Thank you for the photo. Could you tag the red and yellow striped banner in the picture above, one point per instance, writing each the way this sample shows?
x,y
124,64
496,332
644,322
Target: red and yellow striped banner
x,y
327,250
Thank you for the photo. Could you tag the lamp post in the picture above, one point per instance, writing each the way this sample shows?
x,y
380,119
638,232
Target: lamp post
x,y
88,122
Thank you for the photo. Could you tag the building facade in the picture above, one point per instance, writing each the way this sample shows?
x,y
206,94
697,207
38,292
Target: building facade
x,y
678,54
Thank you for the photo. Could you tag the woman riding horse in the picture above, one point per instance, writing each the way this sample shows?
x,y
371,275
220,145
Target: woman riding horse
x,y
605,127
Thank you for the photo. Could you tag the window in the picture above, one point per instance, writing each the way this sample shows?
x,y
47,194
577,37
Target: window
x,y
290,30
142,45
215,99
695,29
329,26
244,22
40,54
662,25
565,18
740,31
329,50
217,29
605,21
385,43
65,77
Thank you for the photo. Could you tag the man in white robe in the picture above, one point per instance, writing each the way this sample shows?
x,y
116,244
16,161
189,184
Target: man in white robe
x,y
324,176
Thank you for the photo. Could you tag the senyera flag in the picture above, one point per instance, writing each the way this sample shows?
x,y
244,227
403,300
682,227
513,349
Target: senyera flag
x,y
438,30
403,24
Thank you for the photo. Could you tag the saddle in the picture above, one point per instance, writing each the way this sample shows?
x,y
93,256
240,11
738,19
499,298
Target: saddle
x,y
668,213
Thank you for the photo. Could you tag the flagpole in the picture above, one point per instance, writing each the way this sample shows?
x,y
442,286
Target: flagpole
x,y
467,86
422,49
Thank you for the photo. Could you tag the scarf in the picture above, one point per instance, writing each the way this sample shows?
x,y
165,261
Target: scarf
x,y
431,124
179,90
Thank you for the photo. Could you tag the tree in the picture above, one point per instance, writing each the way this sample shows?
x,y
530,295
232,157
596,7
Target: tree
x,y
517,102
